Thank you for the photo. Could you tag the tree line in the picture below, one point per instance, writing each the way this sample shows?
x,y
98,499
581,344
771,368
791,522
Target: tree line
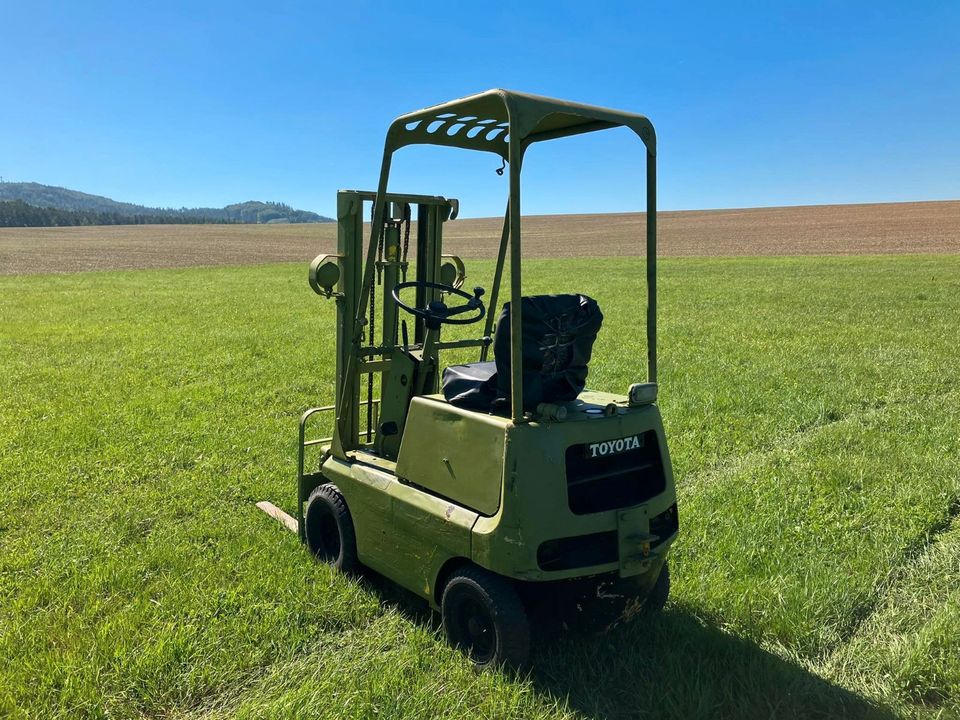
x,y
93,207
16,213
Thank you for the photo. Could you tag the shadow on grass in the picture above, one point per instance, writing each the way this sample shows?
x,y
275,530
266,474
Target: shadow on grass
x,y
668,665
675,665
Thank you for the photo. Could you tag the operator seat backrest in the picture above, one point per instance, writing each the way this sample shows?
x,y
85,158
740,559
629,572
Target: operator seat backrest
x,y
557,333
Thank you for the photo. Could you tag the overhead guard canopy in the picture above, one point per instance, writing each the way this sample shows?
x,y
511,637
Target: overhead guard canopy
x,y
489,120
506,123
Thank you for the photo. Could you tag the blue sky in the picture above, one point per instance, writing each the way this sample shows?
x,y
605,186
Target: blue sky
x,y
755,104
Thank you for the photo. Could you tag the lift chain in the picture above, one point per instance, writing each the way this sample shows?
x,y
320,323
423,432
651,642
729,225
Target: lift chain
x,y
380,256
371,330
406,239
371,335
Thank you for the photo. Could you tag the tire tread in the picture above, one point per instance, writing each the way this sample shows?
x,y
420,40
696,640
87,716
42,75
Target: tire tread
x,y
330,495
510,617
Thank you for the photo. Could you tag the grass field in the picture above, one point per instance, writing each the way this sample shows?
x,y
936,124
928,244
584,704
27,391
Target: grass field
x,y
812,407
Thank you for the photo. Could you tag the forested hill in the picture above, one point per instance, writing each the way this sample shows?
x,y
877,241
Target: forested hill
x,y
48,196
16,213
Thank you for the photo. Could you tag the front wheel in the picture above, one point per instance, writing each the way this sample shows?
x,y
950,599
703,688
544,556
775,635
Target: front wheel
x,y
484,618
329,528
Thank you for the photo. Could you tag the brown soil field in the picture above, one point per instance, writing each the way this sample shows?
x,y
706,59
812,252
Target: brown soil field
x,y
919,227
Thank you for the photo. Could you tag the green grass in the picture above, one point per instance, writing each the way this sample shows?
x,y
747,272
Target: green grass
x,y
813,413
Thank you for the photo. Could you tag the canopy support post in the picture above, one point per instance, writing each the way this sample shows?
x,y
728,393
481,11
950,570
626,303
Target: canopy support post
x,y
651,267
516,321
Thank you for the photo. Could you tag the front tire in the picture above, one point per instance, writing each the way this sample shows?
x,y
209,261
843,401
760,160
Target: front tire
x,y
484,618
329,528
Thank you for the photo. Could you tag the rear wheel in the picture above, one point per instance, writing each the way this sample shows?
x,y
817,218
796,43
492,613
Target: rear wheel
x,y
484,618
329,528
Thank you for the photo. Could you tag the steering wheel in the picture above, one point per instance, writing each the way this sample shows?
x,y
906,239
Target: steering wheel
x,y
436,313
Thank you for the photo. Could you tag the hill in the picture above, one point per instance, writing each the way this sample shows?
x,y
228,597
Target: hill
x,y
18,214
253,211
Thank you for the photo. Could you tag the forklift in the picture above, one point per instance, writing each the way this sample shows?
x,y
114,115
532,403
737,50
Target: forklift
x,y
484,485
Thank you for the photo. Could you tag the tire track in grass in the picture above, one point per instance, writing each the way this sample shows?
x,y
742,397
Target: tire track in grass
x,y
899,573
908,649
789,544
915,551
785,443
394,668
795,439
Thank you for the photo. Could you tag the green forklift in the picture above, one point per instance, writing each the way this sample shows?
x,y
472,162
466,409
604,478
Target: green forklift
x,y
482,486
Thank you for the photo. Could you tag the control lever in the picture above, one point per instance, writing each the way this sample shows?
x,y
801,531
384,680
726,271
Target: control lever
x,y
478,293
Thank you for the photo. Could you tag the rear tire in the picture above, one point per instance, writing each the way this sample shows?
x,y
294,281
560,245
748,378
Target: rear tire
x,y
484,618
329,528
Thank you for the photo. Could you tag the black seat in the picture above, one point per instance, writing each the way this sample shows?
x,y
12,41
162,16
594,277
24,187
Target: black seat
x,y
558,332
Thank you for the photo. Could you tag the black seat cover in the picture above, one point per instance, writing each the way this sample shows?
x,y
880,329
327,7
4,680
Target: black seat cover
x,y
460,379
558,334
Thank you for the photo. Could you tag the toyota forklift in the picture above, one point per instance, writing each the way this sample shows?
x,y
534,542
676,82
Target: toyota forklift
x,y
478,485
